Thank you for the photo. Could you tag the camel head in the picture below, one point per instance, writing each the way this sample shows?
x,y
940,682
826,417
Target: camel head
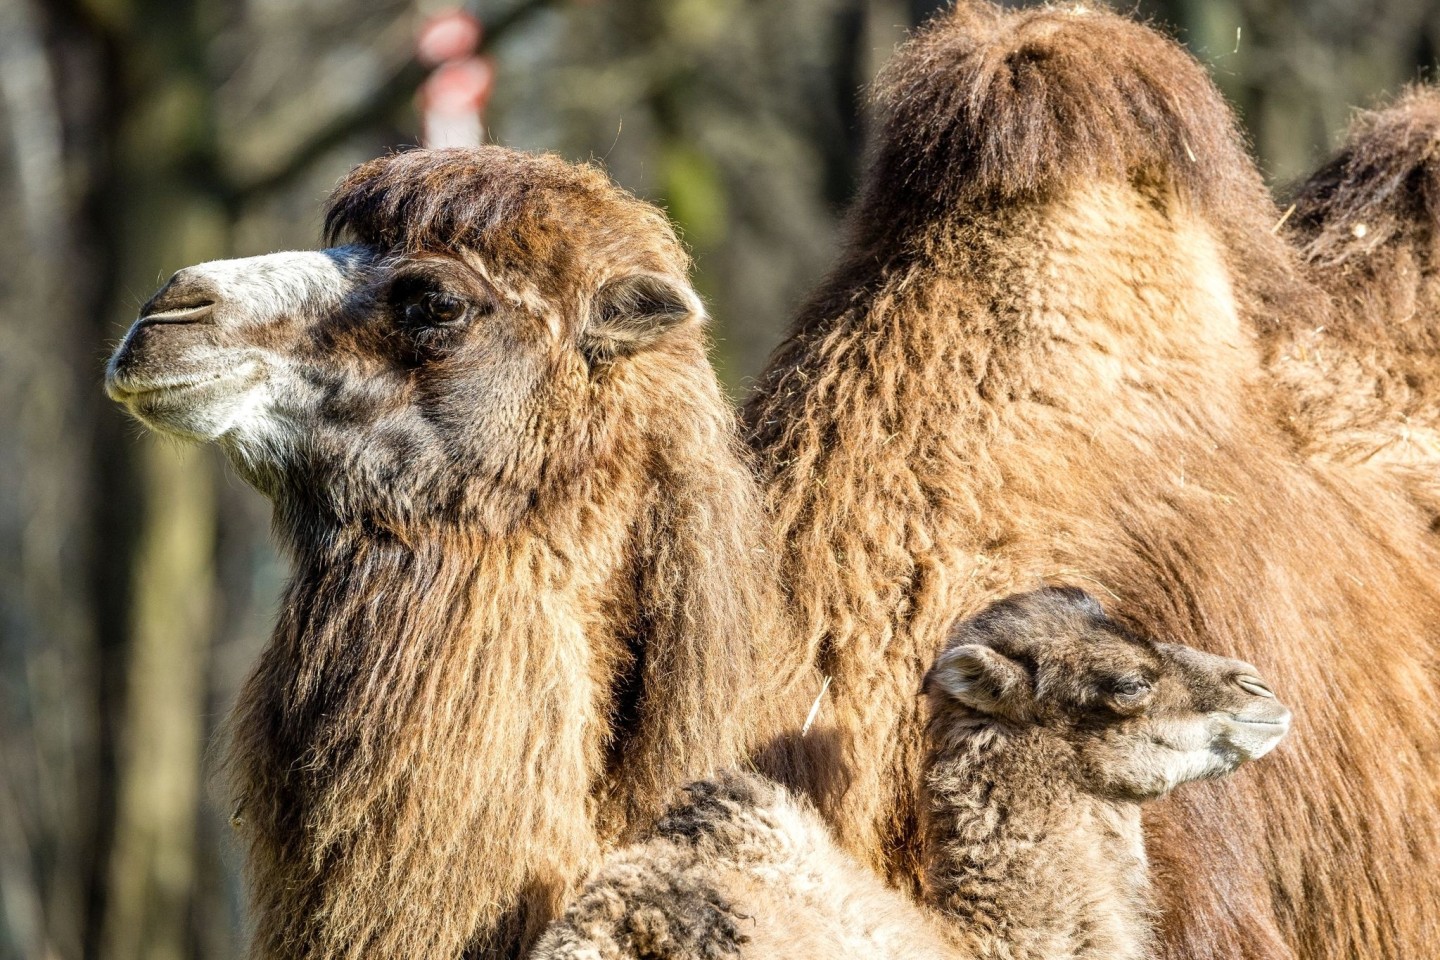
x,y
491,321
1140,717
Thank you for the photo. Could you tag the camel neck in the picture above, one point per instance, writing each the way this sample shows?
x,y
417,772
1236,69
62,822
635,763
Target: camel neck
x,y
448,725
1029,865
417,748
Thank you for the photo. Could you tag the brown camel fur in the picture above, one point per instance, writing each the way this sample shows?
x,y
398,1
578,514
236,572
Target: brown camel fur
x,y
1050,725
1017,372
523,542
1366,380
1037,360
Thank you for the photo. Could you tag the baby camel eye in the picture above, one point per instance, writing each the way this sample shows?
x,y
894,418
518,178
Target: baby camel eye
x,y
1127,688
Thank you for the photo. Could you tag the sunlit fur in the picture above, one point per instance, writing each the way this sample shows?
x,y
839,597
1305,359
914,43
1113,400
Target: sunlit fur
x,y
1033,831
1038,359
530,591
1366,379
740,867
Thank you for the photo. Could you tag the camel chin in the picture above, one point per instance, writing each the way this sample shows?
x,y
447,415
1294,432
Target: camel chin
x,y
200,401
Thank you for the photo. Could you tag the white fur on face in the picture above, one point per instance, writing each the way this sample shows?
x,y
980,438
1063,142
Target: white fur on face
x,y
1177,750
226,384
277,286
275,289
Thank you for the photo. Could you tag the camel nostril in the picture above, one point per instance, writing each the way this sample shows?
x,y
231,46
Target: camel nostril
x,y
1254,685
187,313
185,299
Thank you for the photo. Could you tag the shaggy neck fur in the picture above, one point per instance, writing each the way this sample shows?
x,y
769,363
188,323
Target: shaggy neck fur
x,y
1113,432
916,426
1028,864
445,730
420,705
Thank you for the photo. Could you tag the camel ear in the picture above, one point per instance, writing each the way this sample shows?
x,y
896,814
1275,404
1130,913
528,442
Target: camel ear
x,y
630,313
978,677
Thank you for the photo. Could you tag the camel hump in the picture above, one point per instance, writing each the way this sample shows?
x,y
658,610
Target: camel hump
x,y
985,104
1382,185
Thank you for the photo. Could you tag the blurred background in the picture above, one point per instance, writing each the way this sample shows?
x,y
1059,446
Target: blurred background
x,y
139,136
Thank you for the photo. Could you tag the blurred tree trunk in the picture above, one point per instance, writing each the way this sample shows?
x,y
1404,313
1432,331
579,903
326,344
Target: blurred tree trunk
x,y
134,99
151,875
47,778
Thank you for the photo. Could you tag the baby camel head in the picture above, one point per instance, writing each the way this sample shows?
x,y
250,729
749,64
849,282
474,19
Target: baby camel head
x,y
476,343
1140,717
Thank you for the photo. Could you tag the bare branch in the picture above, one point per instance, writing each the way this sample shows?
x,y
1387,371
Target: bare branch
x,y
388,97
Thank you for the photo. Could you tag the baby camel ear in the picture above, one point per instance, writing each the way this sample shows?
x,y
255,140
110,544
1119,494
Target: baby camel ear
x,y
976,676
630,313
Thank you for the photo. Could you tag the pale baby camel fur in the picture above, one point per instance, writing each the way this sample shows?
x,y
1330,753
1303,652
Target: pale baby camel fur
x,y
1050,725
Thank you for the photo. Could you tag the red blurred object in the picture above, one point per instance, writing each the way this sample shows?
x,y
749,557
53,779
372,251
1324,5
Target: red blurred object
x,y
453,97
452,100
459,85
451,35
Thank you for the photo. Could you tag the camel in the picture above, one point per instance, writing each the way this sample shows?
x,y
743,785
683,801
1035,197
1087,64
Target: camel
x,y
1049,726
1365,380
500,464
1037,360
522,536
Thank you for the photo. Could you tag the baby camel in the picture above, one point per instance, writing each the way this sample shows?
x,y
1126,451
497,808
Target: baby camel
x,y
1050,725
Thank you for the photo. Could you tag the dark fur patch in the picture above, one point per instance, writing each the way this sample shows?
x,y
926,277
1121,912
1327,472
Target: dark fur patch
x,y
443,199
527,212
710,809
1384,183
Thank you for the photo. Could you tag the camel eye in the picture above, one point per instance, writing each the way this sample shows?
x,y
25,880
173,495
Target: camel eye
x,y
429,318
419,300
1127,689
435,309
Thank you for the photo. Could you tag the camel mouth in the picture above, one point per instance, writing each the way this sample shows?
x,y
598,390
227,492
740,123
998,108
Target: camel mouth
x,y
1256,734
1275,722
199,405
1256,737
134,375
167,352
124,390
